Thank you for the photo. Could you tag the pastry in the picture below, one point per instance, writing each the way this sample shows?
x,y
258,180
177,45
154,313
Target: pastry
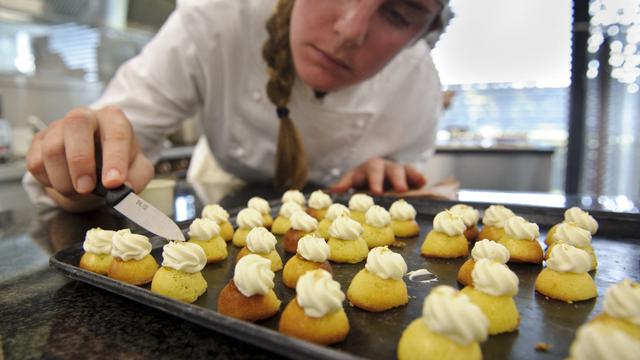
x,y
301,224
218,214
282,224
597,341
377,227
521,239
621,308
379,286
359,204
451,327
483,249
132,260
247,219
319,202
261,242
470,218
334,211
346,242
577,216
566,276
316,313
493,289
403,219
312,254
262,206
180,277
206,234
295,196
249,295
493,222
446,240
97,251
570,233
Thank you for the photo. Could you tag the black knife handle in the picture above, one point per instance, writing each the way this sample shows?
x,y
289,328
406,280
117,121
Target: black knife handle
x,y
111,196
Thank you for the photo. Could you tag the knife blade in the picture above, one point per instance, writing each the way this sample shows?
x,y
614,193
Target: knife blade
x,y
136,209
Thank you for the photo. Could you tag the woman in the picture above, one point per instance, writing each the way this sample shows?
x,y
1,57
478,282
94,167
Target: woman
x,y
351,82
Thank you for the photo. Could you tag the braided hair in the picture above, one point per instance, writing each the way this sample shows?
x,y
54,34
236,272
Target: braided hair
x,y
291,159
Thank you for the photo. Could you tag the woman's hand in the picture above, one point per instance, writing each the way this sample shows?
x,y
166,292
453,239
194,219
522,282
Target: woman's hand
x,y
62,156
375,172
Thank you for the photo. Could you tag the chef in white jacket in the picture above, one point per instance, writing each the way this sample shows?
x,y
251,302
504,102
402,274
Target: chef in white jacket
x,y
341,93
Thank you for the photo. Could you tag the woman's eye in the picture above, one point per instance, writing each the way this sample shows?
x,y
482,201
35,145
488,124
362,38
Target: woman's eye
x,y
395,17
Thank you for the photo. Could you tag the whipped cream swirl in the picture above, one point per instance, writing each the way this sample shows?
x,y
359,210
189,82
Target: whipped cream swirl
x,y
98,241
261,241
494,278
581,218
402,211
449,223
567,258
468,214
259,204
287,209
573,235
377,217
203,229
302,221
386,264
294,195
337,210
496,215
183,256
318,294
127,246
487,249
622,300
313,248
249,218
453,315
519,228
360,202
345,228
319,200
597,341
253,275
216,213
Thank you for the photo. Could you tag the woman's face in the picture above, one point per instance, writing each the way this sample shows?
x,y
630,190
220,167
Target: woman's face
x,y
337,43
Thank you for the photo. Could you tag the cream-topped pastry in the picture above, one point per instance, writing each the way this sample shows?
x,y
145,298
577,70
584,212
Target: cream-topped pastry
x,y
521,239
447,239
319,202
567,258
470,218
253,275
346,242
496,215
333,212
183,256
359,204
597,341
98,241
452,314
622,300
449,223
129,246
572,234
318,294
287,209
259,204
304,222
582,219
386,264
487,249
377,227
403,219
262,242
519,228
450,328
565,277
295,196
313,248
282,224
494,278
247,219
203,229
218,214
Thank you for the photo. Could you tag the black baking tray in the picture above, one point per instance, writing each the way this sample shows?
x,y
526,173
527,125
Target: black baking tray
x,y
375,335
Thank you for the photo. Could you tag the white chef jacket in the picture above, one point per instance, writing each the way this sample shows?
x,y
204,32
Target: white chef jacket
x,y
207,57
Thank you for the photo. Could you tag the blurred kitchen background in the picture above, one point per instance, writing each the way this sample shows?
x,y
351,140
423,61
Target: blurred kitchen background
x,y
542,94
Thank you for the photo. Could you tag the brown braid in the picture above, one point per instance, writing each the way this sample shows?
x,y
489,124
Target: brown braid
x,y
291,159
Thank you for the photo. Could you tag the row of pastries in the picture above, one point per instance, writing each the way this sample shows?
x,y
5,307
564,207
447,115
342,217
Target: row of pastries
x,y
320,231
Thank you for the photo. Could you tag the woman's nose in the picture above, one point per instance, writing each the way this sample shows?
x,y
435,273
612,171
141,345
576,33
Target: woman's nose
x,y
354,23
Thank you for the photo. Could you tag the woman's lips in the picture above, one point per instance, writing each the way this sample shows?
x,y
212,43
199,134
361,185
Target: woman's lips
x,y
330,60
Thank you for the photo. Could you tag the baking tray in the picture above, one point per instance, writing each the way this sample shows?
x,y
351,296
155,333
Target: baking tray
x,y
375,335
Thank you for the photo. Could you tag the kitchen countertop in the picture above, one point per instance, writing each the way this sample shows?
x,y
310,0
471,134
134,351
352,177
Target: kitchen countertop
x,y
44,314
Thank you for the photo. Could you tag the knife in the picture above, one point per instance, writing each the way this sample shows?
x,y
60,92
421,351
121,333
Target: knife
x,y
136,209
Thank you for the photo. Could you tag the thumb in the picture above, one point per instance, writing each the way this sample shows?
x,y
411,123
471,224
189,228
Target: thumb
x,y
140,172
344,184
